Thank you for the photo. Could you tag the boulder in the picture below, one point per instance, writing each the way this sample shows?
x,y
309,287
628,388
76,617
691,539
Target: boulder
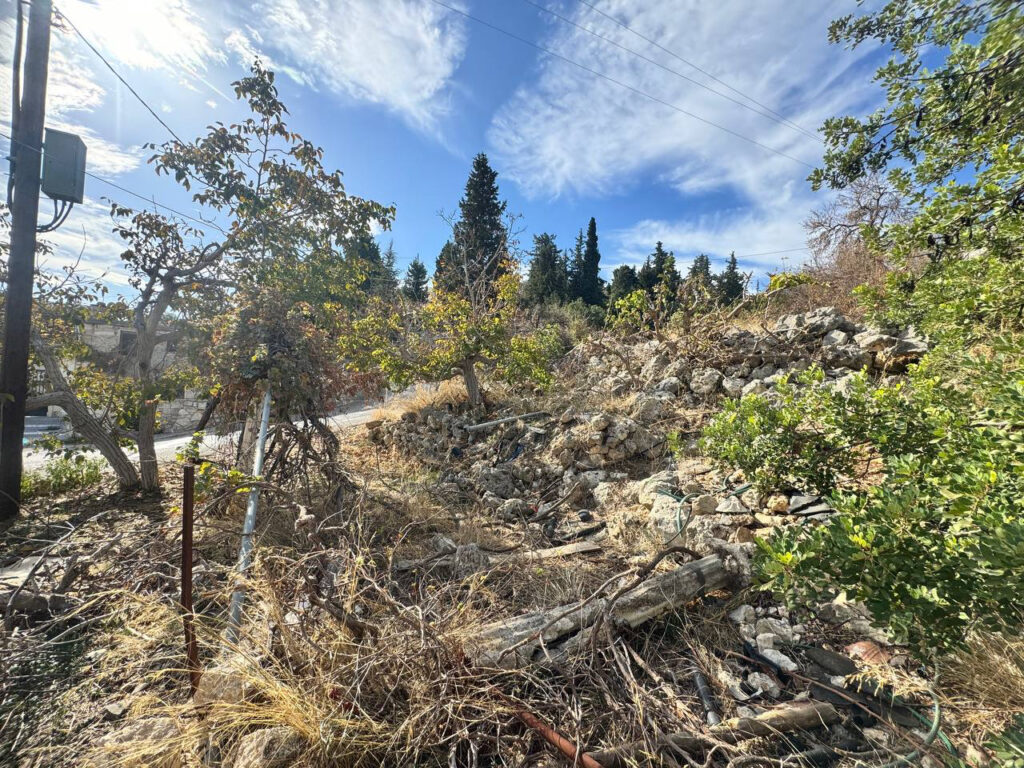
x,y
672,385
704,505
835,338
733,386
668,517
653,487
731,506
705,381
874,341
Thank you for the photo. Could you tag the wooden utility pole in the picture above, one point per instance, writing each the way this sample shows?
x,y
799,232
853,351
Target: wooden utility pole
x,y
26,156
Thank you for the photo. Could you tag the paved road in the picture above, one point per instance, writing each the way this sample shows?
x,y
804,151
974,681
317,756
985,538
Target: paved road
x,y
168,446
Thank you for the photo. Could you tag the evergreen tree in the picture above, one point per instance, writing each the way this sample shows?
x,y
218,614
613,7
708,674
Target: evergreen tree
x,y
480,244
448,273
624,282
575,269
547,278
660,269
700,270
729,284
415,286
585,280
379,268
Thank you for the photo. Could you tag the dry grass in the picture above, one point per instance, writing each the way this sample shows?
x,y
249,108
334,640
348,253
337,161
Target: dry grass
x,y
984,684
449,393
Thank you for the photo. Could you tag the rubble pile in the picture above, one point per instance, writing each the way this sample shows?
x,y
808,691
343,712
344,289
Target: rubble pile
x,y
745,362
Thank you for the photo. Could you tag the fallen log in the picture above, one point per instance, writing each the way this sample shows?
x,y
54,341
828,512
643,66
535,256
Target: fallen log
x,y
803,717
532,637
505,420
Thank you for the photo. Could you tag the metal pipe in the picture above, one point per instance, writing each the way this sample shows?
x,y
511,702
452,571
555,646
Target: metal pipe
x,y
188,612
568,749
245,550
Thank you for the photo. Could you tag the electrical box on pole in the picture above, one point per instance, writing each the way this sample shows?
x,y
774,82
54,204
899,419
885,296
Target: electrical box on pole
x,y
63,166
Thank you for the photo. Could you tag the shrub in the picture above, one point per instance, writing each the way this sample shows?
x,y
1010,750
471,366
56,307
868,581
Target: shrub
x,y
812,437
61,475
936,548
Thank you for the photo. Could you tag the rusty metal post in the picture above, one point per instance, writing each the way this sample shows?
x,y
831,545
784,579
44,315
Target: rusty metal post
x,y
188,613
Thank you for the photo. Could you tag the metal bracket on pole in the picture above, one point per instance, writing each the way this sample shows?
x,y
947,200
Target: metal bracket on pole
x,y
245,550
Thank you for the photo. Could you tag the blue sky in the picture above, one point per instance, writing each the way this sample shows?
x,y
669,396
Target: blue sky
x,y
402,93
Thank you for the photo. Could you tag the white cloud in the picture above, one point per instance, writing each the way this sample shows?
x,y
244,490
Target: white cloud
x,y
145,34
573,132
87,242
401,54
762,240
570,132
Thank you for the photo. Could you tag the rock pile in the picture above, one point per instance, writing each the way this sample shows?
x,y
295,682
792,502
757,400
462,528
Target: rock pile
x,y
746,362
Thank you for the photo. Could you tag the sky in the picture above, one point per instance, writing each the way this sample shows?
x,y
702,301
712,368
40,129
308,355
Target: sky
x,y
687,121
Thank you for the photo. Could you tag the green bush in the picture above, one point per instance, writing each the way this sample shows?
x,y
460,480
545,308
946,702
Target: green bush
x,y
936,548
61,475
808,436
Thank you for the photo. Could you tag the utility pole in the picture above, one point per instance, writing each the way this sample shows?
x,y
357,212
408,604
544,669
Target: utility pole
x,y
26,155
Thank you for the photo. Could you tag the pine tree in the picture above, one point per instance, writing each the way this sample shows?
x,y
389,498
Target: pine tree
x,y
448,273
415,286
729,284
660,269
586,281
547,278
700,270
379,268
624,282
480,243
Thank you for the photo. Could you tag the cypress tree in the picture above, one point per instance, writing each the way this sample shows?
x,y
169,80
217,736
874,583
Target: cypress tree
x,y
585,280
415,286
729,283
576,269
624,282
547,278
480,243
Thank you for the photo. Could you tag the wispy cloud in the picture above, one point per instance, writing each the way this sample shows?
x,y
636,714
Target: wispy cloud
x,y
401,54
570,132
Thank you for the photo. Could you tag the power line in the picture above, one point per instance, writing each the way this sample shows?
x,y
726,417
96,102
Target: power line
x,y
676,56
619,83
771,253
768,114
127,191
117,74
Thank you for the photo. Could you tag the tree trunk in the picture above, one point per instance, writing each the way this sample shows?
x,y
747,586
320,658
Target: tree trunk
x,y
468,370
89,427
550,636
82,419
145,439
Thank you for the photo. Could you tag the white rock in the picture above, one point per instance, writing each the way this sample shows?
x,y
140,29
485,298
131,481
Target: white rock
x,y
836,337
733,386
705,381
744,614
781,660
704,505
671,384
763,684
765,640
731,506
